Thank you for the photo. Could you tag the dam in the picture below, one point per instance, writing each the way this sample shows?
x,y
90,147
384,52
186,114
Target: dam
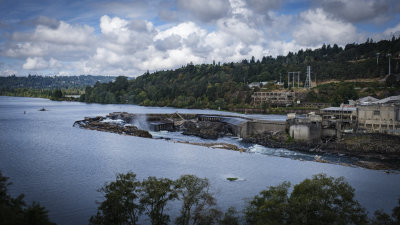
x,y
239,126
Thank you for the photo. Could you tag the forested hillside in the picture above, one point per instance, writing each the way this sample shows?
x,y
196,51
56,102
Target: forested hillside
x,y
225,85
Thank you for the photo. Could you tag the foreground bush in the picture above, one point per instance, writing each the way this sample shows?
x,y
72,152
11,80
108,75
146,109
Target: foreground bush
x,y
13,211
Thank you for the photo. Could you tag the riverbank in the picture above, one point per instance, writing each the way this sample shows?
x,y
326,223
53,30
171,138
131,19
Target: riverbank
x,y
374,151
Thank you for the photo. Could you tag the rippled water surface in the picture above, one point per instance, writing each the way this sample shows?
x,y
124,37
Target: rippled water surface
x,y
62,167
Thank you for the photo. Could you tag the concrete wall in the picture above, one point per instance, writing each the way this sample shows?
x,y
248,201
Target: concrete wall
x,y
260,126
379,118
305,132
328,132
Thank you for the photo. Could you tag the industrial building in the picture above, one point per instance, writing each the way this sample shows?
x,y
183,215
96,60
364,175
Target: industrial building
x,y
274,98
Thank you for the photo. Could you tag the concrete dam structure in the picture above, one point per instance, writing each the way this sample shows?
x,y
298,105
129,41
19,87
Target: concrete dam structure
x,y
242,127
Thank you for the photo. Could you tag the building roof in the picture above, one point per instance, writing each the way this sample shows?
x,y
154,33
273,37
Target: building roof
x,y
340,109
391,99
367,100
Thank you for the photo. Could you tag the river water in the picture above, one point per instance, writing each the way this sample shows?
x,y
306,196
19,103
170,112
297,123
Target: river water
x,y
61,166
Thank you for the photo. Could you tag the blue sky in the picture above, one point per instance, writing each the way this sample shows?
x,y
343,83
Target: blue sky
x,y
60,37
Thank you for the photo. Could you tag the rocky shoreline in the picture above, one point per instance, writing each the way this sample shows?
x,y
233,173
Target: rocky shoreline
x,y
375,151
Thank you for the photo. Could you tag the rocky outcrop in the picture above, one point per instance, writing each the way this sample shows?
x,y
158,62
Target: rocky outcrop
x,y
369,143
204,129
98,123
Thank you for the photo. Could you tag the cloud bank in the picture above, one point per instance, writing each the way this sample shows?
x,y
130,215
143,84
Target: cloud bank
x,y
109,41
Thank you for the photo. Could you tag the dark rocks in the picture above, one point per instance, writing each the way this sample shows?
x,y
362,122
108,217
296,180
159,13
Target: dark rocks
x,y
278,139
97,123
204,129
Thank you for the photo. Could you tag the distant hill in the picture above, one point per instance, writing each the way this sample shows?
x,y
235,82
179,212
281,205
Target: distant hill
x,y
51,82
225,86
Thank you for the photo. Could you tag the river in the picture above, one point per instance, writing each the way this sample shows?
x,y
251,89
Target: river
x,y
61,166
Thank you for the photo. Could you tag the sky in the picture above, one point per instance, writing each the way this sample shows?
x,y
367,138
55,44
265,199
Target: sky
x,y
74,37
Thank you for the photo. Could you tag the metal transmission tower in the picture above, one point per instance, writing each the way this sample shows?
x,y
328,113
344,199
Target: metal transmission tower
x,y
308,79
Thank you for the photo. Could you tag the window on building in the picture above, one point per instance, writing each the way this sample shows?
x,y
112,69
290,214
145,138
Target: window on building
x,y
377,113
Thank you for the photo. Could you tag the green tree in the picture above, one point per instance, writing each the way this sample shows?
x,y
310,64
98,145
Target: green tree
x,y
230,217
270,207
320,200
382,218
13,211
155,195
57,94
36,215
121,205
325,200
194,193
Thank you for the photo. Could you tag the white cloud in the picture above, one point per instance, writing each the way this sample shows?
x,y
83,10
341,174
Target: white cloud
x,y
53,63
65,41
171,42
183,29
36,63
134,35
64,34
278,47
389,32
8,72
240,30
220,30
316,27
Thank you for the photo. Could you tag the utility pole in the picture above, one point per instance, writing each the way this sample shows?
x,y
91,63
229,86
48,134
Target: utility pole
x,y
377,63
293,80
377,58
298,79
389,62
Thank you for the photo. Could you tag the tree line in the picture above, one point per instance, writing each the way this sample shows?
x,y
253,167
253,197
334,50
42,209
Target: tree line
x,y
56,94
128,201
319,200
50,82
48,86
225,86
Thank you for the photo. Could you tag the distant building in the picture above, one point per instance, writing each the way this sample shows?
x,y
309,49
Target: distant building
x,y
72,96
341,113
366,114
274,98
380,118
257,84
